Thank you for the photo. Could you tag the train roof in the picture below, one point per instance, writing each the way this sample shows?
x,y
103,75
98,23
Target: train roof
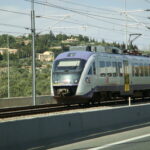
x,y
86,54
125,56
75,54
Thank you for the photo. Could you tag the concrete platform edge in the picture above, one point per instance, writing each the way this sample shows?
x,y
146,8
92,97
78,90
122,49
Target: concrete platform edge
x,y
24,134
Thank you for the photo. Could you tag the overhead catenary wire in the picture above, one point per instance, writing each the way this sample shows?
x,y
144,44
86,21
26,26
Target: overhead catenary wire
x,y
16,12
77,11
14,26
100,9
9,32
89,6
23,13
27,28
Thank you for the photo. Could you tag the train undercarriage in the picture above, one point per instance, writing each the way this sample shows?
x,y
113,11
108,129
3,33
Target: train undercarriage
x,y
66,95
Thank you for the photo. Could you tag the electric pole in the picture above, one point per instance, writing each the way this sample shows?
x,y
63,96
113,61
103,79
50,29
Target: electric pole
x,y
33,53
8,67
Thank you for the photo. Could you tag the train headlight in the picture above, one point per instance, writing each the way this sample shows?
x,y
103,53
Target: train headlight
x,y
75,81
55,81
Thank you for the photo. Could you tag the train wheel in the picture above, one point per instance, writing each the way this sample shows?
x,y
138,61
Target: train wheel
x,y
92,100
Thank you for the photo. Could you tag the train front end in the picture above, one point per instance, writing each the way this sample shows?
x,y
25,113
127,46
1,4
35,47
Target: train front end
x,y
65,77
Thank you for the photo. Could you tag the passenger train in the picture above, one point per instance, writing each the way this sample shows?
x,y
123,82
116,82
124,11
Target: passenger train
x,y
84,75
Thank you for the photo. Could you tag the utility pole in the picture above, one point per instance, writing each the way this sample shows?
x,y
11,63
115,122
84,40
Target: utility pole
x,y
126,28
33,53
8,68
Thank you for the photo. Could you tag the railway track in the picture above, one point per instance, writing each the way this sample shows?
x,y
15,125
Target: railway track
x,y
30,110
39,109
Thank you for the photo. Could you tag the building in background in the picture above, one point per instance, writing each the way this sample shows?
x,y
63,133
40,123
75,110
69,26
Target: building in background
x,y
70,40
26,42
11,51
46,56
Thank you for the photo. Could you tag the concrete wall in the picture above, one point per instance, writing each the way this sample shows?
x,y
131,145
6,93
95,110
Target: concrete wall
x,y
25,101
23,134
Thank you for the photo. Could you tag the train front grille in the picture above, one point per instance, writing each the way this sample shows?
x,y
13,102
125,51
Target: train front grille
x,y
65,90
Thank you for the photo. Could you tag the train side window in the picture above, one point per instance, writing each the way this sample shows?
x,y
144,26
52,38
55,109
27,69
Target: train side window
x,y
102,69
102,64
141,70
146,69
114,71
109,67
136,69
120,69
133,68
94,68
149,69
108,64
90,71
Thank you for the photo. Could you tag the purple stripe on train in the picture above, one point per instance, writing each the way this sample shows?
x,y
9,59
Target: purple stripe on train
x,y
75,54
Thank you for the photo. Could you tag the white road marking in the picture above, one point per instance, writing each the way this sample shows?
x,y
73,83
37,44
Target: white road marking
x,y
120,142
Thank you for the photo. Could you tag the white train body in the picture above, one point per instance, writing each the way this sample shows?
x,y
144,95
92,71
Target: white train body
x,y
83,76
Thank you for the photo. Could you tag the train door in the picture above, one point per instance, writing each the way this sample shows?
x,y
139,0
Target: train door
x,y
91,76
126,76
94,77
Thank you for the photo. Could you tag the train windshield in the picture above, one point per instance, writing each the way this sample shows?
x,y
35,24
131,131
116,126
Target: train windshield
x,y
68,71
69,65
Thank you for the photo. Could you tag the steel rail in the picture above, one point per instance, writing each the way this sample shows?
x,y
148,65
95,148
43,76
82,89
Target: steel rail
x,y
49,108
29,110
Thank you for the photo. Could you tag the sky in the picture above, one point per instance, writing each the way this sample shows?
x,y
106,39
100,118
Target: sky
x,y
111,20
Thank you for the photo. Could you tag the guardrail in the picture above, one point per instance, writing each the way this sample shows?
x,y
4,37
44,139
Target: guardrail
x,y
25,101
